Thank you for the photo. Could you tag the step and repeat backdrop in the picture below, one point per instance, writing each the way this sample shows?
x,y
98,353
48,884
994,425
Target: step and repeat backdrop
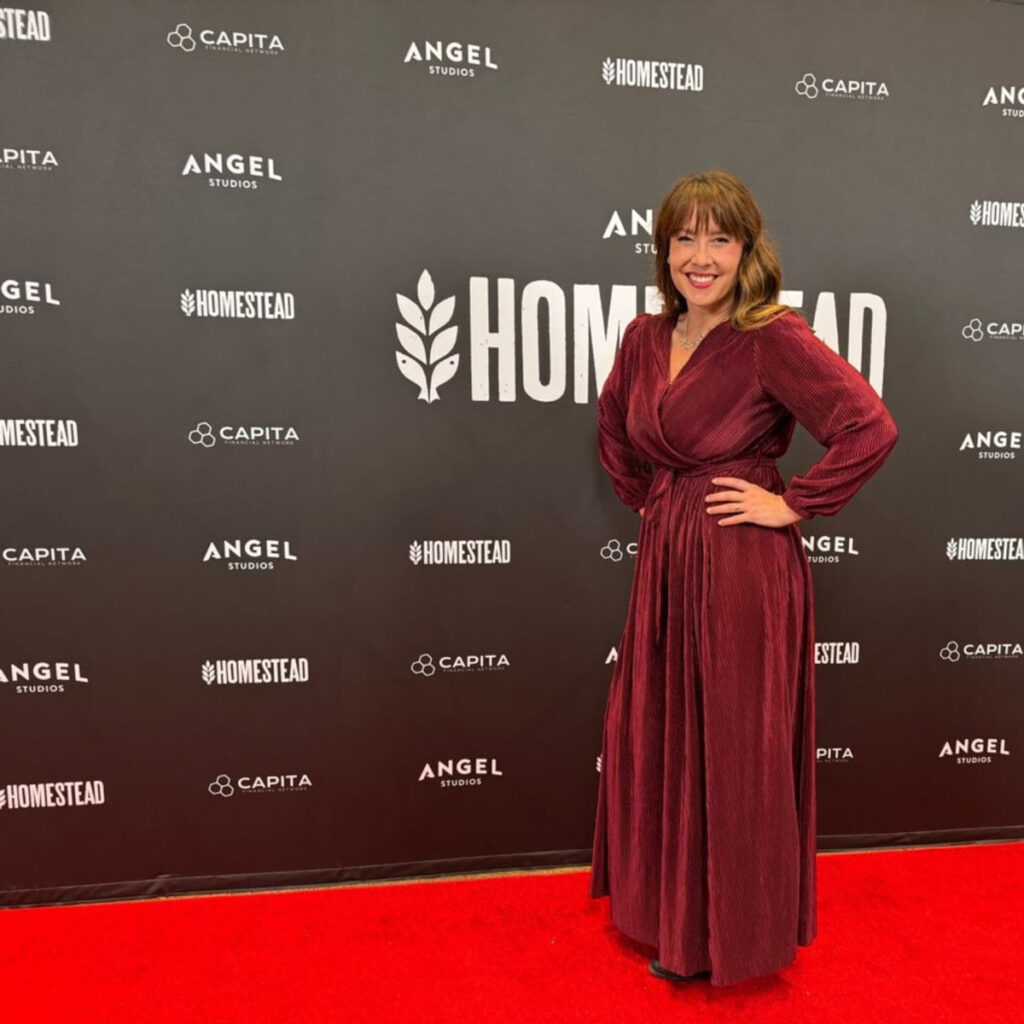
x,y
309,569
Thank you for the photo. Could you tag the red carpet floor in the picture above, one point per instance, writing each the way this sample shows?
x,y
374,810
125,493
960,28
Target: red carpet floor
x,y
912,935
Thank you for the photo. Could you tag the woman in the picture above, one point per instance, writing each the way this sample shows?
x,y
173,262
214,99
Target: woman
x,y
705,830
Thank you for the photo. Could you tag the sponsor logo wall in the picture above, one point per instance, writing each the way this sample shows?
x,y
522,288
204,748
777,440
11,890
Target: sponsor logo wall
x,y
302,386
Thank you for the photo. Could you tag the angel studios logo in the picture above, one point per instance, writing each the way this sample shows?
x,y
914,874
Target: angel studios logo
x,y
992,444
547,342
451,59
250,555
231,170
1007,99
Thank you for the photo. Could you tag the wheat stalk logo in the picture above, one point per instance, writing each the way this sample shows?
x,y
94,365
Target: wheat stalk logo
x,y
424,320
975,212
209,673
188,302
608,71
951,549
415,552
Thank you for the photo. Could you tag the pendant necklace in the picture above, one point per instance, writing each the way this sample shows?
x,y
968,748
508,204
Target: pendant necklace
x,y
688,345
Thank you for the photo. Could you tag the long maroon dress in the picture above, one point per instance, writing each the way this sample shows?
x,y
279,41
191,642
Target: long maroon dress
x,y
705,833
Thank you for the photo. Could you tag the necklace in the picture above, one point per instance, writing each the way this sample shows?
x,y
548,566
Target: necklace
x,y
685,342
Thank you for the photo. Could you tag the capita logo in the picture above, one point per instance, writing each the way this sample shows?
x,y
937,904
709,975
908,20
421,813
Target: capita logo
x,y
76,793
633,224
13,158
460,552
834,755
1007,99
40,556
425,665
219,40
205,436
992,330
822,548
457,772
27,677
555,343
599,757
615,551
25,298
837,652
292,782
238,305
38,433
639,73
24,25
997,213
954,651
255,671
456,60
612,656
974,750
992,444
231,170
260,555
811,87
988,549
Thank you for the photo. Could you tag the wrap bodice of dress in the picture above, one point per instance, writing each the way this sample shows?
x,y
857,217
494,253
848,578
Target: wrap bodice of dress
x,y
735,403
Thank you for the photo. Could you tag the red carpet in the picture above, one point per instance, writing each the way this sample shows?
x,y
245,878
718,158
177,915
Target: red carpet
x,y
918,935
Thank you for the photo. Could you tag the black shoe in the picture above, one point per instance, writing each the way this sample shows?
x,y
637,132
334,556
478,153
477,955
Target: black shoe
x,y
662,972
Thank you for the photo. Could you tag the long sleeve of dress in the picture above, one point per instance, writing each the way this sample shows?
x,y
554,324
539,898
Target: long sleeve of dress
x,y
630,474
835,403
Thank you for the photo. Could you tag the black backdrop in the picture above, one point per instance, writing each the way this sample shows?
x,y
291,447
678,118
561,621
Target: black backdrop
x,y
323,580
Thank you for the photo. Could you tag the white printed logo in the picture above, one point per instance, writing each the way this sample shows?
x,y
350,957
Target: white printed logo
x,y
843,88
953,651
458,60
239,305
1009,98
460,552
974,331
14,159
255,671
225,41
464,771
284,783
997,213
985,549
425,666
613,551
77,793
232,170
18,23
653,74
425,321
992,444
203,435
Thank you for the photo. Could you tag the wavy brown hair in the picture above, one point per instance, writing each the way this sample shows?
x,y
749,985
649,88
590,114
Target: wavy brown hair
x,y
723,197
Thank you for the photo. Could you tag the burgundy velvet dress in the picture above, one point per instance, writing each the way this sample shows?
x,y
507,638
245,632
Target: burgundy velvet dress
x,y
705,833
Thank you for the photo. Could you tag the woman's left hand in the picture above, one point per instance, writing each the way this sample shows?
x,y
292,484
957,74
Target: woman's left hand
x,y
748,503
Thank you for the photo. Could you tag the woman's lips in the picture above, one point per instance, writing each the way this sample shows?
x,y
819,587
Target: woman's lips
x,y
707,283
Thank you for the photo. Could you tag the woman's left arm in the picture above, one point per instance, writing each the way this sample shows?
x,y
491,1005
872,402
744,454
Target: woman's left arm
x,y
835,403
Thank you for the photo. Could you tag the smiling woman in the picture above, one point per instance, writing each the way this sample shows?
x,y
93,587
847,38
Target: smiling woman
x,y
706,821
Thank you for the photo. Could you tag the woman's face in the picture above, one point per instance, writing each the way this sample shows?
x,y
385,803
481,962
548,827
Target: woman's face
x,y
704,266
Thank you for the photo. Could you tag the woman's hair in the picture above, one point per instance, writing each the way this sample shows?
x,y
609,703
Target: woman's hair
x,y
727,200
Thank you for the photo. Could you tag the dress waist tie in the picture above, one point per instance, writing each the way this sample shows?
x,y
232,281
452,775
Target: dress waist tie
x,y
655,512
